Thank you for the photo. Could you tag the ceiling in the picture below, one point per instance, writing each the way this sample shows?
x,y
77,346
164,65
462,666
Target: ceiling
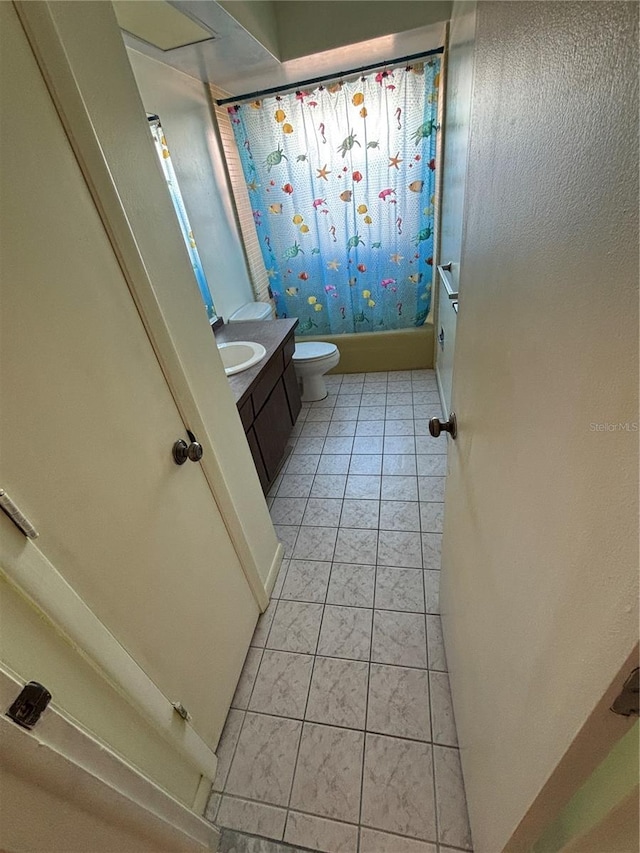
x,y
255,44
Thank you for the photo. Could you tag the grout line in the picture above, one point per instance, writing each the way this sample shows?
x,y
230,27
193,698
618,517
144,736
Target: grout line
x,y
365,731
360,388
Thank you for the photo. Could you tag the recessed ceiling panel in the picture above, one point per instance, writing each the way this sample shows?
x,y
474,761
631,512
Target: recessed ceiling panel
x,y
159,24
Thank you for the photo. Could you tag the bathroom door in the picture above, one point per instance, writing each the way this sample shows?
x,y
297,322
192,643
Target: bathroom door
x,y
88,422
539,593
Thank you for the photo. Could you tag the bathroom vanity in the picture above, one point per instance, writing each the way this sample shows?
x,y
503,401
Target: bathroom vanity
x,y
267,394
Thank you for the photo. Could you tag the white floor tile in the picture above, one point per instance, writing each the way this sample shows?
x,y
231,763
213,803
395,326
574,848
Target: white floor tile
x,y
328,772
338,695
264,760
346,633
307,580
319,833
399,639
256,818
360,513
399,702
282,685
351,585
397,791
453,822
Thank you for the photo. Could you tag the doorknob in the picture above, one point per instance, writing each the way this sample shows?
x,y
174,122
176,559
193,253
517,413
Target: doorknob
x,y
183,451
436,426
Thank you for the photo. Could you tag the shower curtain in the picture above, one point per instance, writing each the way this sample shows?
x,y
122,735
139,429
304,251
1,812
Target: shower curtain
x,y
341,183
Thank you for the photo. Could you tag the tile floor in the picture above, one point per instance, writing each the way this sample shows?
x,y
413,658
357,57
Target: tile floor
x,y
341,735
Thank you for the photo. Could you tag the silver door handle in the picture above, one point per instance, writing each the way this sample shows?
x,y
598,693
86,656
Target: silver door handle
x,y
182,451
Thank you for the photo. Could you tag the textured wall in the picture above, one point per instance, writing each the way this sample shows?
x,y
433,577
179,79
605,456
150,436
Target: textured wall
x,y
540,560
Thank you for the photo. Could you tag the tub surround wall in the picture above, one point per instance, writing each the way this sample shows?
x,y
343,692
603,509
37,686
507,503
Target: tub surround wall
x,y
185,111
370,352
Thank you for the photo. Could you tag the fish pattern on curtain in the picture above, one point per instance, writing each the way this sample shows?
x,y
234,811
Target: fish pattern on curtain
x,y
341,183
181,213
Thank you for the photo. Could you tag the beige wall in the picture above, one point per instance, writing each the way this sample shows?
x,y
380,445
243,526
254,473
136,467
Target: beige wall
x,y
540,559
258,17
318,25
185,111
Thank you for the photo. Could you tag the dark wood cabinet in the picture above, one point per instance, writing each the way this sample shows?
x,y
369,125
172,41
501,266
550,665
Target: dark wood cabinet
x,y
267,395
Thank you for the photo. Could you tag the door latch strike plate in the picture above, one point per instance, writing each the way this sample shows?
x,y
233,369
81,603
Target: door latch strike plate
x,y
628,701
27,708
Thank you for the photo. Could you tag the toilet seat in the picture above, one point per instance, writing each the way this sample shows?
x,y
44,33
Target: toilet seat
x,y
313,351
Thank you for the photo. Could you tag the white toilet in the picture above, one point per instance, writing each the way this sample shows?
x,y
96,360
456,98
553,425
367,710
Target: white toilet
x,y
311,360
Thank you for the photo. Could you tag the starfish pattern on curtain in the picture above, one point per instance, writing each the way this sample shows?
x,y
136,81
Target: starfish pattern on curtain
x,y
341,182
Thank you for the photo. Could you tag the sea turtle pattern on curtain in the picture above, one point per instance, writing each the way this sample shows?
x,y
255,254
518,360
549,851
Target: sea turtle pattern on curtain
x,y
341,182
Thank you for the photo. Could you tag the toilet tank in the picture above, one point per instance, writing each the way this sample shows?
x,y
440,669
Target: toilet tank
x,y
252,311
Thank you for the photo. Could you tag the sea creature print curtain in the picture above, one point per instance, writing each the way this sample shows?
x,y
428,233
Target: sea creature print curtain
x,y
341,183
183,220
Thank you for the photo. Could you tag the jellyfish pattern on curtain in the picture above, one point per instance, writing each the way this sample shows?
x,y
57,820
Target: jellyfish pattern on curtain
x,y
181,213
341,183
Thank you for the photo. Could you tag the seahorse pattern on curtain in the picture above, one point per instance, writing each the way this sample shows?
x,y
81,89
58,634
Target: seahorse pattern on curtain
x,y
183,220
341,183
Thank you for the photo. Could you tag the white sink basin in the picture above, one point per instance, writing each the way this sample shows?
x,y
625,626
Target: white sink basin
x,y
240,355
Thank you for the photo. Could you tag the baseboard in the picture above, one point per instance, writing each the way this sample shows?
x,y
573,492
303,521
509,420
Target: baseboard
x,y
275,568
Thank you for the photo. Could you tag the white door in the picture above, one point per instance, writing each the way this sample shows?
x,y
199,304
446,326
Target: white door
x,y
87,423
539,593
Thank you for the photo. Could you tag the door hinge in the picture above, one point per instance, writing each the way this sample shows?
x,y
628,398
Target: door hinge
x,y
19,518
27,708
628,701
181,711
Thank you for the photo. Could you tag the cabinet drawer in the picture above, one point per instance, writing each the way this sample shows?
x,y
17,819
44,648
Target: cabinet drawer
x,y
246,414
289,349
267,382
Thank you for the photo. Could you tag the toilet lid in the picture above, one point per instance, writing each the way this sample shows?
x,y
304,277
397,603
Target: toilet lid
x,y
313,349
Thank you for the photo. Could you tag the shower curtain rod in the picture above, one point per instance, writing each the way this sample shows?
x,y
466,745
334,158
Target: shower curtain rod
x,y
287,87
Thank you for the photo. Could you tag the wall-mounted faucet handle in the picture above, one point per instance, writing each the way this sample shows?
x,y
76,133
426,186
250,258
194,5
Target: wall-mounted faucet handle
x,y
437,427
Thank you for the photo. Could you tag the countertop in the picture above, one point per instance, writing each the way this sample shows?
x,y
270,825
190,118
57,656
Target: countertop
x,y
270,333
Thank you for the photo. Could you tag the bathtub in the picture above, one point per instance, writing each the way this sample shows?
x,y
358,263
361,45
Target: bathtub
x,y
366,352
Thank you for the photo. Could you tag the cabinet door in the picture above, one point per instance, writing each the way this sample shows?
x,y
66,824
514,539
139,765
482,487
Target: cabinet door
x,y
293,392
272,428
257,459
